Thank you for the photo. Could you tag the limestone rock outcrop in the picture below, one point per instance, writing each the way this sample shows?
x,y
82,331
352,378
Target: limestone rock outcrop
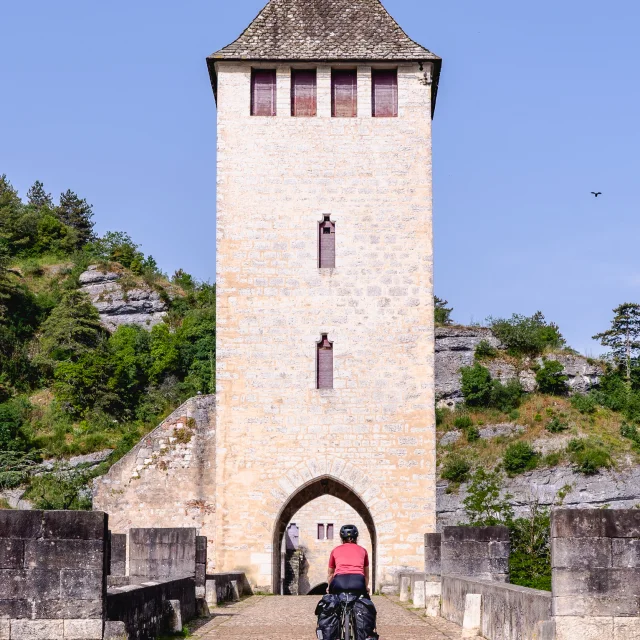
x,y
455,347
616,489
118,305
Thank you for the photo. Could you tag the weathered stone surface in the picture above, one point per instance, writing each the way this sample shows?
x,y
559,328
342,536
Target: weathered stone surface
x,y
118,554
116,306
114,630
480,552
574,627
75,525
432,554
83,629
11,553
61,554
581,553
81,584
5,629
20,524
37,629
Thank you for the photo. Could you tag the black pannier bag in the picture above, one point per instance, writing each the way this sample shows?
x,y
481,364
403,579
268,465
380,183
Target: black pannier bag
x,y
328,610
365,612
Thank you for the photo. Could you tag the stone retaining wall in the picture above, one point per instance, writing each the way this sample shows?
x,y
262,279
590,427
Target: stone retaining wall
x,y
509,612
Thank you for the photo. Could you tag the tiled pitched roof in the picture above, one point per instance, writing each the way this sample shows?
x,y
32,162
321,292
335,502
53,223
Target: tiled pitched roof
x,y
324,29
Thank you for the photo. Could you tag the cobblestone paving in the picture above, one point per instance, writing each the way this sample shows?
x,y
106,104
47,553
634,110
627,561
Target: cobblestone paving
x,y
291,618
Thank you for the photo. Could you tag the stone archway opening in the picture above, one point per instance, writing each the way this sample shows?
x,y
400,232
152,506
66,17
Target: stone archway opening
x,y
321,486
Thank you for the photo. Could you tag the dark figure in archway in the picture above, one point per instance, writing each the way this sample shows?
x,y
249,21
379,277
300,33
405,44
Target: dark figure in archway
x,y
318,590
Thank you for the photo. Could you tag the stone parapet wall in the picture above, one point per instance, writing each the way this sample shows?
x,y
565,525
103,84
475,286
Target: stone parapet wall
x,y
162,553
508,612
479,552
53,567
595,557
147,609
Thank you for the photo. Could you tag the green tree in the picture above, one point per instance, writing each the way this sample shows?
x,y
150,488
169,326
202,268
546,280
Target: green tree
x,y
623,338
477,385
37,196
72,329
442,313
77,214
484,505
551,378
130,363
526,335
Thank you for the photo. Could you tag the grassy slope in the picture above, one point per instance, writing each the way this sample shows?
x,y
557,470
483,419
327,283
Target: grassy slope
x,y
534,414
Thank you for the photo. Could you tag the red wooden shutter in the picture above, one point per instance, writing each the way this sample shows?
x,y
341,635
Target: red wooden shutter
x,y
263,92
320,532
329,532
325,363
384,88
344,94
327,244
303,92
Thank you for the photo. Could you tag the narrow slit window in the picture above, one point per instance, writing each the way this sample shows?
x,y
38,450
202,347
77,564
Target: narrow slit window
x,y
329,532
384,93
327,244
263,92
303,92
320,532
325,363
344,93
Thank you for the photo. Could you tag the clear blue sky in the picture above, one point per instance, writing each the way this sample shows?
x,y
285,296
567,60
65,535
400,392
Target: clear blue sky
x,y
538,106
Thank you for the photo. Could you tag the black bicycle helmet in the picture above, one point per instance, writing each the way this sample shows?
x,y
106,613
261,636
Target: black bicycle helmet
x,y
349,532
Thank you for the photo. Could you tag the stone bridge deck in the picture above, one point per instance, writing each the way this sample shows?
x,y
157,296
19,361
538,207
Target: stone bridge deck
x,y
291,618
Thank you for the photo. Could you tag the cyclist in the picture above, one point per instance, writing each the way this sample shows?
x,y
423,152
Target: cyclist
x,y
348,565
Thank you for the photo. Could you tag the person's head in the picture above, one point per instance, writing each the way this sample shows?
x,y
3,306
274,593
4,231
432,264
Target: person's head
x,y
349,533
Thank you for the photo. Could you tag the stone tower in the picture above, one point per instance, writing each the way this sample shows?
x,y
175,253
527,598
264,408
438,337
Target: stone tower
x,y
325,377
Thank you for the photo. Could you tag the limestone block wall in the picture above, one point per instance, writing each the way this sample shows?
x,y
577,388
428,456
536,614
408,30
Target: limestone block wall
x,y
167,479
479,552
52,574
595,559
374,431
323,510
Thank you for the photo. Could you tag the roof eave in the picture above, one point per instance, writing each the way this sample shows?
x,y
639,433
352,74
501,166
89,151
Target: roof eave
x,y
434,59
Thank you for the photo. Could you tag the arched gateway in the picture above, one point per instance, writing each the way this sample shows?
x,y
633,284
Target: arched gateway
x,y
323,485
325,379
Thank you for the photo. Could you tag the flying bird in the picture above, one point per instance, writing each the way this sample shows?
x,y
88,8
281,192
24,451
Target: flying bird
x,y
597,193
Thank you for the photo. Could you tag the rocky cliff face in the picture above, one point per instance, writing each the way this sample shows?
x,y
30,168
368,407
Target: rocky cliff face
x,y
455,347
613,489
117,305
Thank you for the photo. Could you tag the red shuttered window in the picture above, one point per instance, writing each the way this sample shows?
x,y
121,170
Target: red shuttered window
x,y
263,92
329,532
384,93
325,363
344,93
320,532
327,244
303,92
